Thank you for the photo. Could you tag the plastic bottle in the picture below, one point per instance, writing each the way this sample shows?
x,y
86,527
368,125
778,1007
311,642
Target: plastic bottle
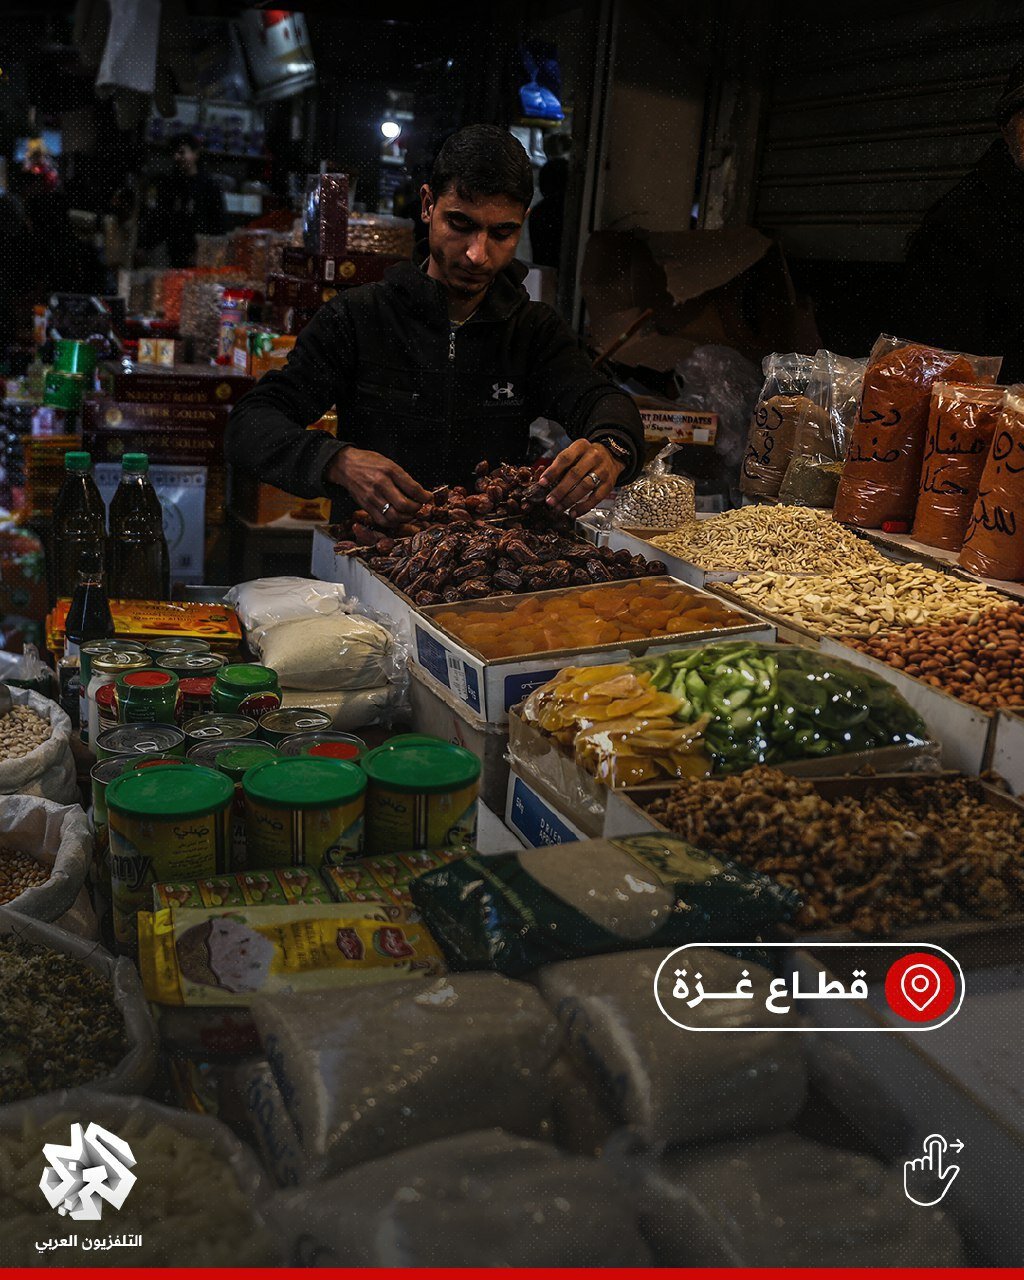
x,y
89,615
79,521
140,564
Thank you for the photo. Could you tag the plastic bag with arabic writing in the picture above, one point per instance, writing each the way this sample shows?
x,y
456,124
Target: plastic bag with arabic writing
x,y
994,539
782,409
879,484
819,445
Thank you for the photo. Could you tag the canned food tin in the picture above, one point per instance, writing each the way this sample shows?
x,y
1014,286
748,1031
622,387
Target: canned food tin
x,y
161,647
195,697
191,664
141,740
420,795
86,652
165,824
103,709
301,811
148,762
104,670
329,745
103,773
208,728
147,696
275,726
247,689
208,753
236,763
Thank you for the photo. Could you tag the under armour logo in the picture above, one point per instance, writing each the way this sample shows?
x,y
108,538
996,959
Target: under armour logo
x,y
502,392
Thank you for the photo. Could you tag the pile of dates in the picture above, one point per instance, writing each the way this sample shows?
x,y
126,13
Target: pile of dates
x,y
468,560
504,491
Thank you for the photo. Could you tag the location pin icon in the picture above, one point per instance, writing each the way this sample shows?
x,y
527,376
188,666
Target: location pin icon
x,y
920,985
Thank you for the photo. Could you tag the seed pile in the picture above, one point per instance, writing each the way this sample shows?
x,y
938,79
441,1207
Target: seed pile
x,y
771,539
61,1027
900,856
18,872
979,662
21,731
869,601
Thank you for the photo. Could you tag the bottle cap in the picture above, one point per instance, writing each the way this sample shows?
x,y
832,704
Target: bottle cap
x,y
135,462
76,461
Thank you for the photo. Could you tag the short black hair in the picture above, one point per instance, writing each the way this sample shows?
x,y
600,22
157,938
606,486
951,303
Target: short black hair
x,y
191,140
483,160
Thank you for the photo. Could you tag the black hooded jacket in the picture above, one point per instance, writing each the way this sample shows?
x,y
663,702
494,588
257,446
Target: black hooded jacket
x,y
435,398
964,276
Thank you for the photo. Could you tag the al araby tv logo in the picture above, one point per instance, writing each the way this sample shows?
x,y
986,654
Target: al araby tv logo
x,y
94,1167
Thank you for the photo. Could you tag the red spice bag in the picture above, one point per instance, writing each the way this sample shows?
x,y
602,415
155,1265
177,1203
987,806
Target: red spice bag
x,y
994,542
961,423
883,465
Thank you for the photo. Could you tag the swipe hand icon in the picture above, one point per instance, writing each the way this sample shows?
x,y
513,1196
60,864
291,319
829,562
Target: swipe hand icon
x,y
925,1180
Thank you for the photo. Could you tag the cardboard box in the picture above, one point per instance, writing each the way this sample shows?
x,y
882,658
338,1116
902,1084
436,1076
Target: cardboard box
x,y
342,271
371,590
679,425
489,687
297,291
533,816
184,384
44,472
144,619
1007,756
436,712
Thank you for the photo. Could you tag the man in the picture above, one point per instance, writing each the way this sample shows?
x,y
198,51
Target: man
x,y
964,275
439,366
195,204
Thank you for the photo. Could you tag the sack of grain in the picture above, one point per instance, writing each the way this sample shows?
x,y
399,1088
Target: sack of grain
x,y
481,1199
46,769
671,1085
340,651
45,852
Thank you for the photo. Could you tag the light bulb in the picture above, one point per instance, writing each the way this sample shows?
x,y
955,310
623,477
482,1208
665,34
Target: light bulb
x,y
390,129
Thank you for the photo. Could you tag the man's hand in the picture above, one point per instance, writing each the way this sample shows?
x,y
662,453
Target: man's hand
x,y
388,493
580,477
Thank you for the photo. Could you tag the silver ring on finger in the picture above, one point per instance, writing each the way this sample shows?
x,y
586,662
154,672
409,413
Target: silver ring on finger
x,y
594,478
385,508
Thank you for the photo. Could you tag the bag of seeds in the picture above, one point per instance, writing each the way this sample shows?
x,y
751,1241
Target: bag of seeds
x,y
783,409
45,851
820,444
35,750
657,499
199,1200
73,1015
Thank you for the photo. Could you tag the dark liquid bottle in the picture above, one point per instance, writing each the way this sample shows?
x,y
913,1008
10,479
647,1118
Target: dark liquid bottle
x,y
89,615
140,564
79,523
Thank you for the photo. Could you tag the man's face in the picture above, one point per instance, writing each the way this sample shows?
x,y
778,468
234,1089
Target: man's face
x,y
1013,132
185,158
470,240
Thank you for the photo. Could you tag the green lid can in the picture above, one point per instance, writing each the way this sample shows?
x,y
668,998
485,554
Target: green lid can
x,y
303,811
146,696
240,758
207,753
247,689
328,744
70,355
63,390
420,795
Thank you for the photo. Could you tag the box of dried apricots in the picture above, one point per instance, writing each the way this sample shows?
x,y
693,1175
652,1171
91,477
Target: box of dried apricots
x,y
492,652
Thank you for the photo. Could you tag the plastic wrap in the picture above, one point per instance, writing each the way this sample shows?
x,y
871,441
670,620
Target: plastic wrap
x,y
994,537
57,836
657,499
961,423
879,484
351,709
341,652
514,912
720,380
135,1071
197,1200
263,603
49,770
771,704
482,1199
781,1201
364,1073
780,413
26,670
673,1086
820,444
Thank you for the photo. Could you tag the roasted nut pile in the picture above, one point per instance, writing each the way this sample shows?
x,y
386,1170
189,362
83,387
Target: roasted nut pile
x,y
21,731
979,662
771,539
18,872
874,600
902,855
470,560
61,1027
502,491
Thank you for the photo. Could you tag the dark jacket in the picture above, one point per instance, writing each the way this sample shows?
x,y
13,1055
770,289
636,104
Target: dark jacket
x,y
964,275
435,399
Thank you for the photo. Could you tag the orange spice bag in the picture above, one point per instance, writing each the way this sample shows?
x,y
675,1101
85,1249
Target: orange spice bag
x,y
994,542
883,465
961,423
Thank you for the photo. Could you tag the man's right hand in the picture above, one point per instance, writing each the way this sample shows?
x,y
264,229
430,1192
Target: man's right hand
x,y
388,493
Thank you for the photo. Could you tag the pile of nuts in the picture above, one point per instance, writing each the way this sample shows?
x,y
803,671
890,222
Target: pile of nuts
x,y
900,855
501,492
875,600
61,1025
980,662
470,560
21,731
18,872
771,540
